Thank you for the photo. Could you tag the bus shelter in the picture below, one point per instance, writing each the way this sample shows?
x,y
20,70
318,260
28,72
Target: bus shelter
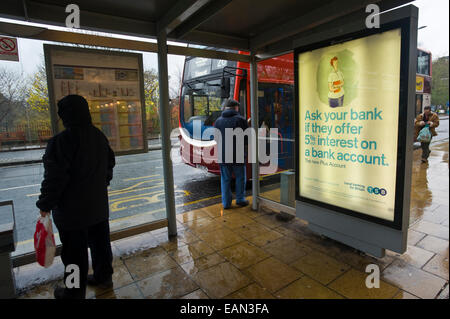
x,y
263,29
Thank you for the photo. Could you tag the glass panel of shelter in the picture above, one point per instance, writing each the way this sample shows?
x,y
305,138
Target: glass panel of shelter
x,y
276,111
136,193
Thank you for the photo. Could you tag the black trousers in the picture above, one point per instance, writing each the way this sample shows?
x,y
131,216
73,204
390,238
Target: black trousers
x,y
425,150
75,245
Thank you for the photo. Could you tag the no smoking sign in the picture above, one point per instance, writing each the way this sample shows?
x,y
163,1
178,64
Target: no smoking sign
x,y
9,49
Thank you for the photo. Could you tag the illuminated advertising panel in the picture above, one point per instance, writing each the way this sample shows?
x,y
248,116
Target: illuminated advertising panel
x,y
348,113
112,84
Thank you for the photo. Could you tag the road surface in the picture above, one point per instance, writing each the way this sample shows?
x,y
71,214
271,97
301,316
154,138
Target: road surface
x,y
136,193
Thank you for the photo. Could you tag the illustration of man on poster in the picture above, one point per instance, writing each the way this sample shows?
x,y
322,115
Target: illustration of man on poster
x,y
335,85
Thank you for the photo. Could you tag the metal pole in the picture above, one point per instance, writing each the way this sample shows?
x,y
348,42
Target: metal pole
x,y
164,116
7,279
255,122
412,70
8,237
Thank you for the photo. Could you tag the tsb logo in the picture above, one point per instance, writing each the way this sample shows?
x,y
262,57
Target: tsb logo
x,y
376,191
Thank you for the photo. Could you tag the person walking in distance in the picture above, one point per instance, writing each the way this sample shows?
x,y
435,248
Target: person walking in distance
x,y
78,167
426,118
231,120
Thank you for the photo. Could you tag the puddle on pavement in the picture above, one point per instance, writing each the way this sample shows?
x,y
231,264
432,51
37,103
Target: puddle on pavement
x,y
428,180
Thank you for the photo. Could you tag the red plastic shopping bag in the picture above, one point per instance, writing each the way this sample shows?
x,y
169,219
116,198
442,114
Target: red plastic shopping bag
x,y
44,241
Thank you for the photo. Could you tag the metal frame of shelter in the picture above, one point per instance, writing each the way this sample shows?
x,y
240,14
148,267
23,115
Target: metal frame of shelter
x,y
190,21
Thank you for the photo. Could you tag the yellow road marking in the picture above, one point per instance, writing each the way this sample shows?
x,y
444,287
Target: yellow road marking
x,y
144,194
136,190
142,177
26,241
115,206
140,214
155,198
129,189
133,196
162,209
200,200
262,177
23,242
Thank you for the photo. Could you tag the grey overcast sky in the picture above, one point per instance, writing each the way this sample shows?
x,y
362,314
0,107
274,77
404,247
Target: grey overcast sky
x,y
434,14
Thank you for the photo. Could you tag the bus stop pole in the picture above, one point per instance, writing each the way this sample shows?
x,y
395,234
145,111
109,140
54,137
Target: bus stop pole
x,y
254,122
164,116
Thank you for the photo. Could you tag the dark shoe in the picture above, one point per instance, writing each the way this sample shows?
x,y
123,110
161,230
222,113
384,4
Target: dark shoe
x,y
63,293
103,285
227,207
59,293
243,204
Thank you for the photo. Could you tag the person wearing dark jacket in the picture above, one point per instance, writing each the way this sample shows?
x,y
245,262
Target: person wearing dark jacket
x,y
231,119
78,167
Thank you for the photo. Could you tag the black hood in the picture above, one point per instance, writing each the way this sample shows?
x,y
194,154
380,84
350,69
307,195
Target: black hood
x,y
229,113
74,111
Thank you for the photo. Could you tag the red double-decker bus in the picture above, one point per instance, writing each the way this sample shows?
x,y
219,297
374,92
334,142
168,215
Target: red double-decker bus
x,y
208,82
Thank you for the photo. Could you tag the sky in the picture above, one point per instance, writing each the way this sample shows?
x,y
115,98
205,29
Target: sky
x,y
31,55
434,14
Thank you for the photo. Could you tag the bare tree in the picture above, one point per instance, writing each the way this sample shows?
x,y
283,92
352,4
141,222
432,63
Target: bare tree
x,y
177,81
12,91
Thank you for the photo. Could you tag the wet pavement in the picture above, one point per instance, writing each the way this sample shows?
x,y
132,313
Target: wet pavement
x,y
136,193
239,253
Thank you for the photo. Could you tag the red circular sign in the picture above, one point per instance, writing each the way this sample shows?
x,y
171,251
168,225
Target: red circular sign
x,y
7,44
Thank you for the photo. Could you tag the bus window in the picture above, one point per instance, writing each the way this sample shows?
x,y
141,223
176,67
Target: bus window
x,y
200,105
276,111
187,108
196,67
201,101
275,107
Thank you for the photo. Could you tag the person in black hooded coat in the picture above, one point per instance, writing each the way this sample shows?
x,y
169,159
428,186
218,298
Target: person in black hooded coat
x,y
78,164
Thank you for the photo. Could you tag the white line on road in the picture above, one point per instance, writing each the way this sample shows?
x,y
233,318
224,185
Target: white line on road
x,y
8,189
